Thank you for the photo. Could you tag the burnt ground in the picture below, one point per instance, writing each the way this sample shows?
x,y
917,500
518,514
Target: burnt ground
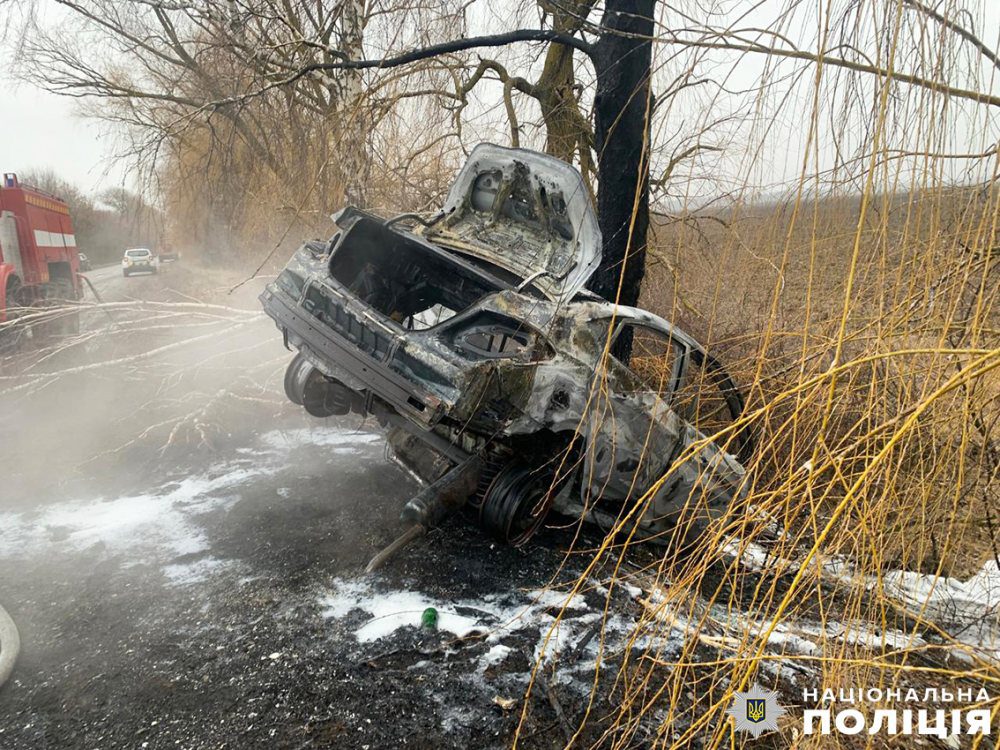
x,y
182,551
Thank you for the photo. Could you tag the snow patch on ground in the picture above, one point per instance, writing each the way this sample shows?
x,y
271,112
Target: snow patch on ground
x,y
163,523
340,440
496,655
577,639
584,634
163,519
389,611
182,574
346,597
397,609
967,610
729,629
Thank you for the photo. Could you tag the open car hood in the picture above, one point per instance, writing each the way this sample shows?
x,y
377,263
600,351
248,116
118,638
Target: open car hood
x,y
527,213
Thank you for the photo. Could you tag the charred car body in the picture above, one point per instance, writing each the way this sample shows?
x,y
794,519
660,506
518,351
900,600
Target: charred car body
x,y
472,337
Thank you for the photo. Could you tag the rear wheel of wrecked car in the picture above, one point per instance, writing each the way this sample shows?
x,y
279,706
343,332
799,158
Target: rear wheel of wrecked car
x,y
325,397
516,502
296,369
319,395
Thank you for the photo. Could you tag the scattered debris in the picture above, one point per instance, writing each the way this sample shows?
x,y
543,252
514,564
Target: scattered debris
x,y
429,619
507,704
550,693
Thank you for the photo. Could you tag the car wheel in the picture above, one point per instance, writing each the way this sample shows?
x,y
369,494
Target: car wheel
x,y
516,502
293,384
324,397
320,396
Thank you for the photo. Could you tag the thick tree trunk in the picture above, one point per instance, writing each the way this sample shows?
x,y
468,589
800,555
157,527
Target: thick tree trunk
x,y
350,129
622,108
566,128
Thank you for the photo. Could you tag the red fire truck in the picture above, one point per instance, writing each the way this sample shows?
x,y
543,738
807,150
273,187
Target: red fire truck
x,y
38,256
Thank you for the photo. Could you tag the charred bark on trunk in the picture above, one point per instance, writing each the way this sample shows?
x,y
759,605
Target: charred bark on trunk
x,y
622,108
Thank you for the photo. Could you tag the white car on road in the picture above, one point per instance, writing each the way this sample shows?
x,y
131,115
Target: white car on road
x,y
138,259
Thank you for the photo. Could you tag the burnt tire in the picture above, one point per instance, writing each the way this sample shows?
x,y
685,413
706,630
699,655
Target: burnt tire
x,y
324,397
516,502
319,395
293,388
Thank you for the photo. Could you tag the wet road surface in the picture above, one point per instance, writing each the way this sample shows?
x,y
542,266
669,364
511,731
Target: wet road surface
x,y
182,550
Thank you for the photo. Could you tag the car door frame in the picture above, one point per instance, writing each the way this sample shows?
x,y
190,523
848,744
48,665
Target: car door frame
x,y
663,426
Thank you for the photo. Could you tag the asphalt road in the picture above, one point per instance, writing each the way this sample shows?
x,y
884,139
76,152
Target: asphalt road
x,y
182,550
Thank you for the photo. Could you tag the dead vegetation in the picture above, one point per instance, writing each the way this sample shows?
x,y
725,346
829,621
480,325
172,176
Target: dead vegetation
x,y
872,363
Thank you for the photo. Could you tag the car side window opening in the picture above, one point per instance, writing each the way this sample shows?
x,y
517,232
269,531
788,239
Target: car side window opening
x,y
704,398
291,283
316,303
494,341
485,190
493,336
654,360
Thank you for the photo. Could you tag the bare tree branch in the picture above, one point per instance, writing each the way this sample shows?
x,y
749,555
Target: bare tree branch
x,y
957,28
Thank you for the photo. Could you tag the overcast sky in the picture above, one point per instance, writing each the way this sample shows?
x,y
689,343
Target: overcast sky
x,y
39,131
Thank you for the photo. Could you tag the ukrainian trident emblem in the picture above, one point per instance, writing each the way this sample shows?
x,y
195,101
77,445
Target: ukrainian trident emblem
x,y
756,711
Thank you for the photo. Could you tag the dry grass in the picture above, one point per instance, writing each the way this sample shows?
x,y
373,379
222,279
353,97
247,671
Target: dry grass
x,y
771,309
871,359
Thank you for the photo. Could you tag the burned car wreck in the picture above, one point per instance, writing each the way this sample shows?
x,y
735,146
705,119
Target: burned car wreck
x,y
472,338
